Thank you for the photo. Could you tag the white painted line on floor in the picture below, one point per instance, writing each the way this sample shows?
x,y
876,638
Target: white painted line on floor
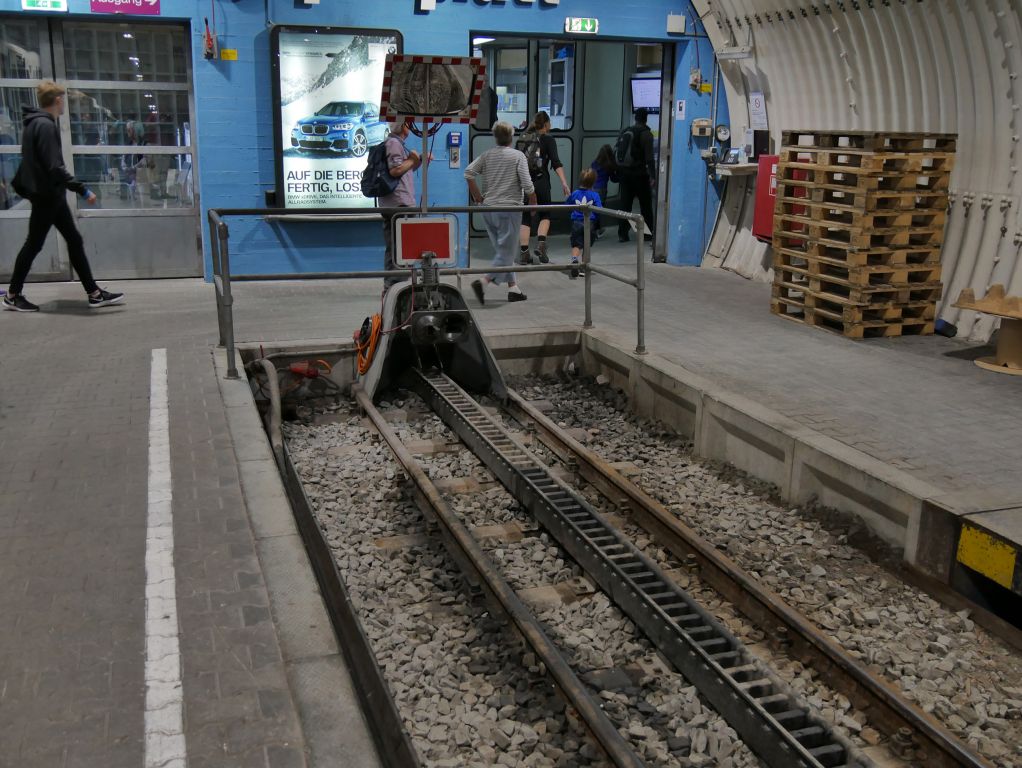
x,y
164,716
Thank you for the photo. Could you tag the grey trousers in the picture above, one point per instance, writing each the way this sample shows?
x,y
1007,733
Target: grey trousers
x,y
503,231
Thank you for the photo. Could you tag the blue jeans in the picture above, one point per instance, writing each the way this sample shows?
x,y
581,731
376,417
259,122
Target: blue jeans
x,y
503,231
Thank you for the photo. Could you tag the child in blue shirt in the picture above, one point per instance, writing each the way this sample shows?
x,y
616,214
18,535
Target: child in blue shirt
x,y
584,194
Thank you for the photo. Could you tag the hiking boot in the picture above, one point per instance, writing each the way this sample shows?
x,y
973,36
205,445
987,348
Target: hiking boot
x,y
477,289
515,296
524,259
105,299
540,253
18,303
574,271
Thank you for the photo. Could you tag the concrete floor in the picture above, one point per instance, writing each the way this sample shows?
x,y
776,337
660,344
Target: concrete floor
x,y
917,403
74,420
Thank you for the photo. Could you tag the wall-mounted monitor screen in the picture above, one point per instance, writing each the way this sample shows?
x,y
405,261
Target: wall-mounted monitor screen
x,y
327,84
646,94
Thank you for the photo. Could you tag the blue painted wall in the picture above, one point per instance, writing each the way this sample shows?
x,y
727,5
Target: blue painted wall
x,y
694,199
235,115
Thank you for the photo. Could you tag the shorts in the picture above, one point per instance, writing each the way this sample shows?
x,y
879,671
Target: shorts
x,y
578,234
542,184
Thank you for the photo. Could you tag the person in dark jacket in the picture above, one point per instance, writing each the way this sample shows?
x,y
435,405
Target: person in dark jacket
x,y
43,180
540,131
605,168
637,179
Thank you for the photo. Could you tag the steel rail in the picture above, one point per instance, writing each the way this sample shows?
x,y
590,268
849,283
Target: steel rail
x,y
914,734
392,741
471,558
761,709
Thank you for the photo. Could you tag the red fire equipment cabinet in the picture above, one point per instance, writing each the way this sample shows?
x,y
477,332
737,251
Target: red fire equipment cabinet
x,y
766,195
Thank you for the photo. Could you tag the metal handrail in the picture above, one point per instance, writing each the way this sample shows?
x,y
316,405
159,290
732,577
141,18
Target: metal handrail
x,y
219,236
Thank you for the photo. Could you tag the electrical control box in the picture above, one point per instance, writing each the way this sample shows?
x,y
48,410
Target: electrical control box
x,y
702,127
757,143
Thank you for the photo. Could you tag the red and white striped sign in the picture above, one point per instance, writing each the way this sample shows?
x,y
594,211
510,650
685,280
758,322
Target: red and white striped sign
x,y
402,100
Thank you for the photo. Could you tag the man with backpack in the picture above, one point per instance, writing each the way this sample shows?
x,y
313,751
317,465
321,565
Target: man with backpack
x,y
636,171
540,150
401,162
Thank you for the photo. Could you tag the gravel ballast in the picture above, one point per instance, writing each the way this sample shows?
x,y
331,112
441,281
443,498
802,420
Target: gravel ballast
x,y
654,707
965,677
464,691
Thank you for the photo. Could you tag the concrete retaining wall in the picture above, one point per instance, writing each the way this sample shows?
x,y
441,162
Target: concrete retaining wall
x,y
802,463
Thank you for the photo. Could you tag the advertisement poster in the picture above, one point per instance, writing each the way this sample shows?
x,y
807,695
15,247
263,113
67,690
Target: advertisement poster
x,y
328,85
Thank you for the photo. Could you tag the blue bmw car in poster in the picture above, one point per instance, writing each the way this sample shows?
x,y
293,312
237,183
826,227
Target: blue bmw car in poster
x,y
342,127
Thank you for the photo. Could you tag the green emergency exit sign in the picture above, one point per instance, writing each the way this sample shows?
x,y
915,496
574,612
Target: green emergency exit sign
x,y
44,5
582,26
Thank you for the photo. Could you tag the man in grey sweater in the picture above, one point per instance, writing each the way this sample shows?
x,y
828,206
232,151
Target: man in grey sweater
x,y
506,180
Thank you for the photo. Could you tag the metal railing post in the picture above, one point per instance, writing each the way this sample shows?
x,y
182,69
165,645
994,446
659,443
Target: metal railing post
x,y
223,291
228,301
214,252
640,284
586,255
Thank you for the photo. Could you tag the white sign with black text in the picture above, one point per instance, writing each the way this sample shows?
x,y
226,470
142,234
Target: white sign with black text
x,y
757,111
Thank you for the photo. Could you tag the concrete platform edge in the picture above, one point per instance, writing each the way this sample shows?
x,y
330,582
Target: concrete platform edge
x,y
802,463
332,722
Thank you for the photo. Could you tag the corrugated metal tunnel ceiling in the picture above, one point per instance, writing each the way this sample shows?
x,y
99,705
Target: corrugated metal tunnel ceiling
x,y
948,66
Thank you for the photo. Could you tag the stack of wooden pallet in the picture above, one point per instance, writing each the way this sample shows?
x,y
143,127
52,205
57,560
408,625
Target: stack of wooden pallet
x,y
858,229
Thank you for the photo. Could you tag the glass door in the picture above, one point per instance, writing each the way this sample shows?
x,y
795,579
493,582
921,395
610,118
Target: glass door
x,y
129,126
127,133
25,59
529,75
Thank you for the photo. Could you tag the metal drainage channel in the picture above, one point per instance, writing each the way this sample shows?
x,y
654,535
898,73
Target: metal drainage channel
x,y
476,565
739,687
914,736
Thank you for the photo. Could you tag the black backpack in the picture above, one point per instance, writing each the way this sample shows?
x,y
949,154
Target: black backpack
x,y
625,149
376,178
528,144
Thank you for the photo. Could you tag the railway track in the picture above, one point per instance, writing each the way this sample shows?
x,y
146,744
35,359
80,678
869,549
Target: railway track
x,y
775,724
913,735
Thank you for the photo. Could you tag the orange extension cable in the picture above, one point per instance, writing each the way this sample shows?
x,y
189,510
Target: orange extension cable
x,y
365,345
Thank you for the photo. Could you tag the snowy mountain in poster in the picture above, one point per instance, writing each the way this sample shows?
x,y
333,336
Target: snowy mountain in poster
x,y
330,86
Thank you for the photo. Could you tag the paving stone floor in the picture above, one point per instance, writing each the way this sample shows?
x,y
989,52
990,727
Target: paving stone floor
x,y
74,400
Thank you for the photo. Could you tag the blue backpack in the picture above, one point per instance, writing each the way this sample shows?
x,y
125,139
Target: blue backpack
x,y
376,178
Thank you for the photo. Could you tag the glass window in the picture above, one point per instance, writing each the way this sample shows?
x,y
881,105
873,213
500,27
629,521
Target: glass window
x,y
20,55
12,103
129,117
565,149
557,82
604,84
125,52
9,199
510,81
138,180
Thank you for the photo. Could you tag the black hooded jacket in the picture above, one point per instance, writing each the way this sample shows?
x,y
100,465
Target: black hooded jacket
x,y
42,174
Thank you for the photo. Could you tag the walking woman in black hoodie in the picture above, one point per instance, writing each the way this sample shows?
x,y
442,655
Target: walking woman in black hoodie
x,y
43,180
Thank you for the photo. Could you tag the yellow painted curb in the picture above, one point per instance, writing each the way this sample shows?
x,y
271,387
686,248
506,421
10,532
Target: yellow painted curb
x,y
986,555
